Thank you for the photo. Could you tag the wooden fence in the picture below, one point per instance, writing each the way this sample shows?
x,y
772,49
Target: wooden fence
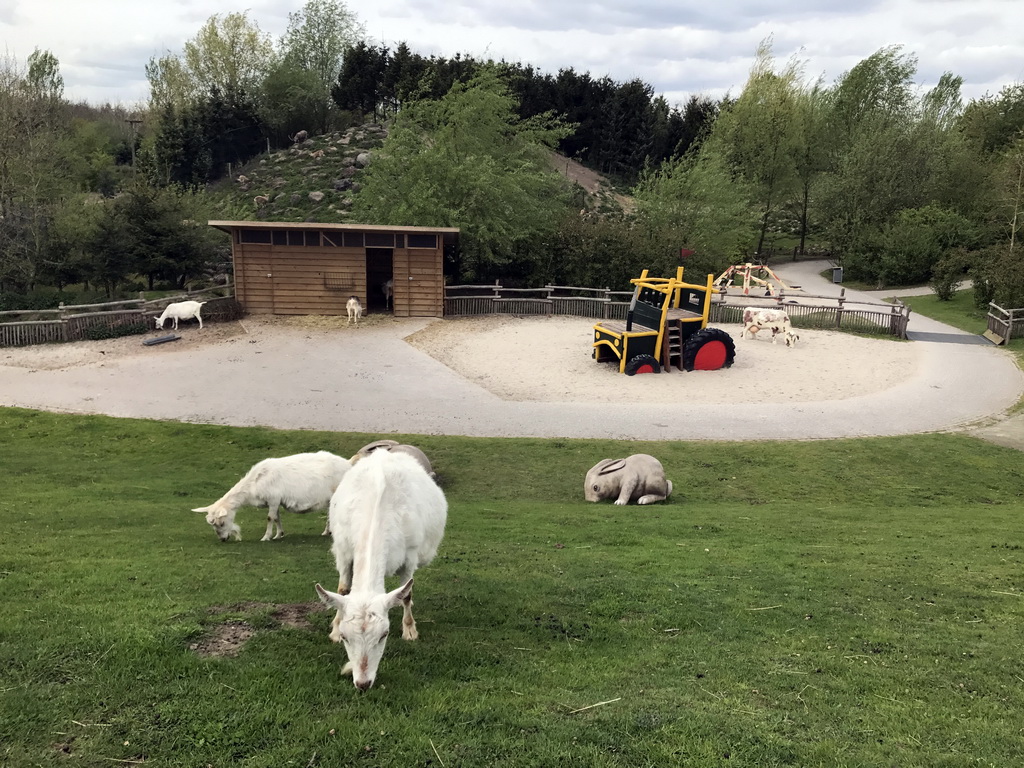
x,y
1004,324
75,322
805,310
598,303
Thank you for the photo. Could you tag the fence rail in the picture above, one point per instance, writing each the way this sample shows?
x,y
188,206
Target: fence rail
x,y
1004,324
75,322
805,310
604,304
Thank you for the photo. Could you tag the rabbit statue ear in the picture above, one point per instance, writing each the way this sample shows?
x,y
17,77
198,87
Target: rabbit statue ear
x,y
610,465
376,445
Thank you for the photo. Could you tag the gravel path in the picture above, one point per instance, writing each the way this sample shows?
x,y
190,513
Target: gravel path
x,y
310,373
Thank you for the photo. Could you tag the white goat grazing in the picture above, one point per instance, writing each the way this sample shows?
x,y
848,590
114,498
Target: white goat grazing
x,y
388,289
181,310
354,309
298,483
387,517
756,318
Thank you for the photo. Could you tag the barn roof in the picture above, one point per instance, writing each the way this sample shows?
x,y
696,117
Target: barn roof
x,y
450,233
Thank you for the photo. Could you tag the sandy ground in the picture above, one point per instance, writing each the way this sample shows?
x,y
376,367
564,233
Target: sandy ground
x,y
548,359
507,376
526,377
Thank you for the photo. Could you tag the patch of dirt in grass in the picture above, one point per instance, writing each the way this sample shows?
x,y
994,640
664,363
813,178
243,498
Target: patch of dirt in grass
x,y
227,638
64,746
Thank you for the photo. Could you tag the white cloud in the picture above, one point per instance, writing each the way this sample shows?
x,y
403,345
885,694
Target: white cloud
x,y
679,48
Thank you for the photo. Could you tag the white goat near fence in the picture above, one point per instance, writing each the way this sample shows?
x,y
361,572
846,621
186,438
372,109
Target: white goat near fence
x,y
300,483
181,310
387,517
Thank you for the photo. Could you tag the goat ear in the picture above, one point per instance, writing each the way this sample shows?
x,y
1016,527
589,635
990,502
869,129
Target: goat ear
x,y
201,509
611,465
330,598
400,595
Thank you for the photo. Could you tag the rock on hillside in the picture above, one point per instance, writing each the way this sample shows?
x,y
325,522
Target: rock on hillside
x,y
312,180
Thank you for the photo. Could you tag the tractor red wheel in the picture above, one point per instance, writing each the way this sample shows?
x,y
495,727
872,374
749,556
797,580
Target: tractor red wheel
x,y
643,364
708,350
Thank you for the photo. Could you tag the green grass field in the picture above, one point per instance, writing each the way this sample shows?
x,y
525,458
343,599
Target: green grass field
x,y
819,603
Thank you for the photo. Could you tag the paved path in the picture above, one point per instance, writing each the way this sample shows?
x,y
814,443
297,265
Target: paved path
x,y
374,382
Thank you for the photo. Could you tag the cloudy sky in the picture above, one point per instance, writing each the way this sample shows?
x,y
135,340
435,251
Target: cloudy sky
x,y
680,48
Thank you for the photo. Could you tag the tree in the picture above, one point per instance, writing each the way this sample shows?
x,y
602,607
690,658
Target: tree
x,y
811,155
318,36
35,169
229,54
760,132
466,161
313,49
696,201
44,79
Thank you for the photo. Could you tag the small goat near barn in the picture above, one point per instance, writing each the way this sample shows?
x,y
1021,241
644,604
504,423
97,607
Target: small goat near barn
x,y
354,309
388,289
387,517
756,318
300,483
181,310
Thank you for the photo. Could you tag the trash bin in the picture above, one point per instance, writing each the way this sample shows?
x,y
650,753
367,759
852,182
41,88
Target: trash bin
x,y
837,274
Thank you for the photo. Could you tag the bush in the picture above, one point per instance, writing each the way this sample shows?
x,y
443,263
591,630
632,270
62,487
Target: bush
x,y
100,332
949,273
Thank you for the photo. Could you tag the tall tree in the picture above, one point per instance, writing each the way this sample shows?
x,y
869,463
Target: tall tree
x,y
696,201
230,54
315,43
467,161
760,133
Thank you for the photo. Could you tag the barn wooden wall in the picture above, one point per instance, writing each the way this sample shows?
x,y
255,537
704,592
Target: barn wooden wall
x,y
286,280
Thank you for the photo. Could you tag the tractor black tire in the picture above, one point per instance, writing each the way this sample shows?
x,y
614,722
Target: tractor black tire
x,y
643,364
709,349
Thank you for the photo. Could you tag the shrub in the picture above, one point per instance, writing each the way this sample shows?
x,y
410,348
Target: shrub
x,y
949,273
100,332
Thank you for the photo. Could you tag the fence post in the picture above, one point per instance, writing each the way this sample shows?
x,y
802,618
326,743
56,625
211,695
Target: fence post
x,y
839,309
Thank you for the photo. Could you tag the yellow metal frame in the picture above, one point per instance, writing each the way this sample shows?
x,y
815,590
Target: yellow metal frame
x,y
671,286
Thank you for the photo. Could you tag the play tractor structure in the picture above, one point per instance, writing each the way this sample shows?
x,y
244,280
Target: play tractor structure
x,y
666,325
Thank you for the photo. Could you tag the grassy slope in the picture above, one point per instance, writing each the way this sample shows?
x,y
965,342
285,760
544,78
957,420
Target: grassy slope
x,y
824,603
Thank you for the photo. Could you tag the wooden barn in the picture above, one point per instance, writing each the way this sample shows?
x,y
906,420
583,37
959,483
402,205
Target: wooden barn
x,y
290,268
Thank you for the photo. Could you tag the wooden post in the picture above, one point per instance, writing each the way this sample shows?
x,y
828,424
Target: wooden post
x,y
839,309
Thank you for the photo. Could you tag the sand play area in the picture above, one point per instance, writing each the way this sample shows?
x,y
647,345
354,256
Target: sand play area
x,y
549,359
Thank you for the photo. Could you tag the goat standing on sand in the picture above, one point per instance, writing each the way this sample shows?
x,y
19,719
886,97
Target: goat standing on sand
x,y
388,289
756,318
182,310
354,309
299,483
387,517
